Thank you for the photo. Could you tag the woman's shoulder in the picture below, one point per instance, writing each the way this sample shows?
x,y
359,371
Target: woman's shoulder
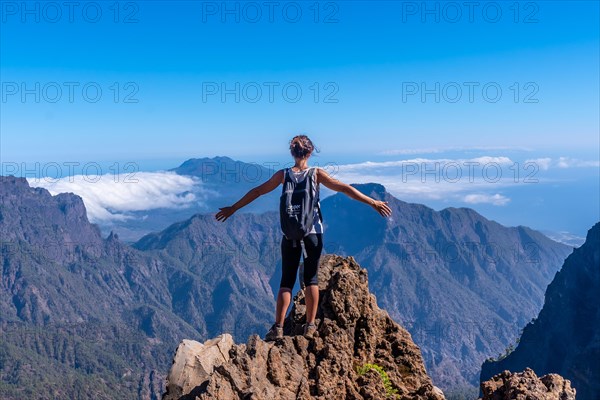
x,y
283,172
316,174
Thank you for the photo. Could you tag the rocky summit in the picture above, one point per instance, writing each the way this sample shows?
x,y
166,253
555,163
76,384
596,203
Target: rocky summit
x,y
359,352
526,385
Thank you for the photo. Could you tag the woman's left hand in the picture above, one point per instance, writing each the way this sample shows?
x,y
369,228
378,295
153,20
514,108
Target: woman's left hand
x,y
225,213
382,208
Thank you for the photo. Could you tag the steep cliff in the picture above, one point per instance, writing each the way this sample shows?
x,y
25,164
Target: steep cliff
x,y
565,337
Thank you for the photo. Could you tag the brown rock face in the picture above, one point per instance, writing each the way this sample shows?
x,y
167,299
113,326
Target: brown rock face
x,y
194,362
526,385
352,331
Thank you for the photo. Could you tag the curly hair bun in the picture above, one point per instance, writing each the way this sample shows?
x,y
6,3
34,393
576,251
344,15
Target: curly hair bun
x,y
301,146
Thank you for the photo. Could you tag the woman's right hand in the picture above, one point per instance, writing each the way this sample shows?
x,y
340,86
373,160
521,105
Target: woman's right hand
x,y
382,208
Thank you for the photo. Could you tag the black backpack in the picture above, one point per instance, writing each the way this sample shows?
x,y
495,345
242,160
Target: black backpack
x,y
297,205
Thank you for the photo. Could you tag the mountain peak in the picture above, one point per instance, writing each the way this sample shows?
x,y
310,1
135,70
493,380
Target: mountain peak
x,y
195,162
14,181
593,234
359,352
112,237
48,218
375,190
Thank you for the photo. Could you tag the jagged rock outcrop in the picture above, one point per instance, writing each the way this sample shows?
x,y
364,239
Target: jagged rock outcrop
x,y
352,332
565,337
526,385
193,364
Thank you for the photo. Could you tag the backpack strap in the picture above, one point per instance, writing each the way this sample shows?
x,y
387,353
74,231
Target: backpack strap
x,y
319,211
286,178
312,172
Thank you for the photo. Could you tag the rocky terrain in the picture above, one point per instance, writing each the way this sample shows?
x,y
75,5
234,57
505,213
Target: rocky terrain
x,y
526,385
565,337
359,352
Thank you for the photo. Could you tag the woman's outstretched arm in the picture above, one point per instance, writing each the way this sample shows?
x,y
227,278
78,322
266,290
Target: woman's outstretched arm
x,y
253,194
380,206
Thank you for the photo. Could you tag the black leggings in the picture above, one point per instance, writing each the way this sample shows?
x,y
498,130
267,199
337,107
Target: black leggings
x,y
290,260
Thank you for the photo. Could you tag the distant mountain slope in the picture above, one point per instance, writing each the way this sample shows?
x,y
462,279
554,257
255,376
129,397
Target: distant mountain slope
x,y
565,337
232,179
224,179
226,273
80,316
461,284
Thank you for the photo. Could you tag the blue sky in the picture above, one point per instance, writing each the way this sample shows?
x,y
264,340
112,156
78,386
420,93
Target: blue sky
x,y
518,79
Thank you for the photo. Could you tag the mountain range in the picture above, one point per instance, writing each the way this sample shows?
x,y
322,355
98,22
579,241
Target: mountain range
x,y
80,315
461,284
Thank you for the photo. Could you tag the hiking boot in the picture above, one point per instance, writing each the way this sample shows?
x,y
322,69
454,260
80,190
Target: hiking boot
x,y
276,332
310,329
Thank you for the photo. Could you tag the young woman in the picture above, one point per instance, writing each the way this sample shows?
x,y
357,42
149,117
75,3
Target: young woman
x,y
301,148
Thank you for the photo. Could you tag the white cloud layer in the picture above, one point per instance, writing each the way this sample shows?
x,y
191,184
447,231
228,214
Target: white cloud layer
x,y
478,198
110,197
563,162
566,162
543,163
428,162
433,150
468,180
479,180
476,180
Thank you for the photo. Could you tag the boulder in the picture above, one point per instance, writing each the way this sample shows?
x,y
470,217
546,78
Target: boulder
x,y
526,385
193,364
